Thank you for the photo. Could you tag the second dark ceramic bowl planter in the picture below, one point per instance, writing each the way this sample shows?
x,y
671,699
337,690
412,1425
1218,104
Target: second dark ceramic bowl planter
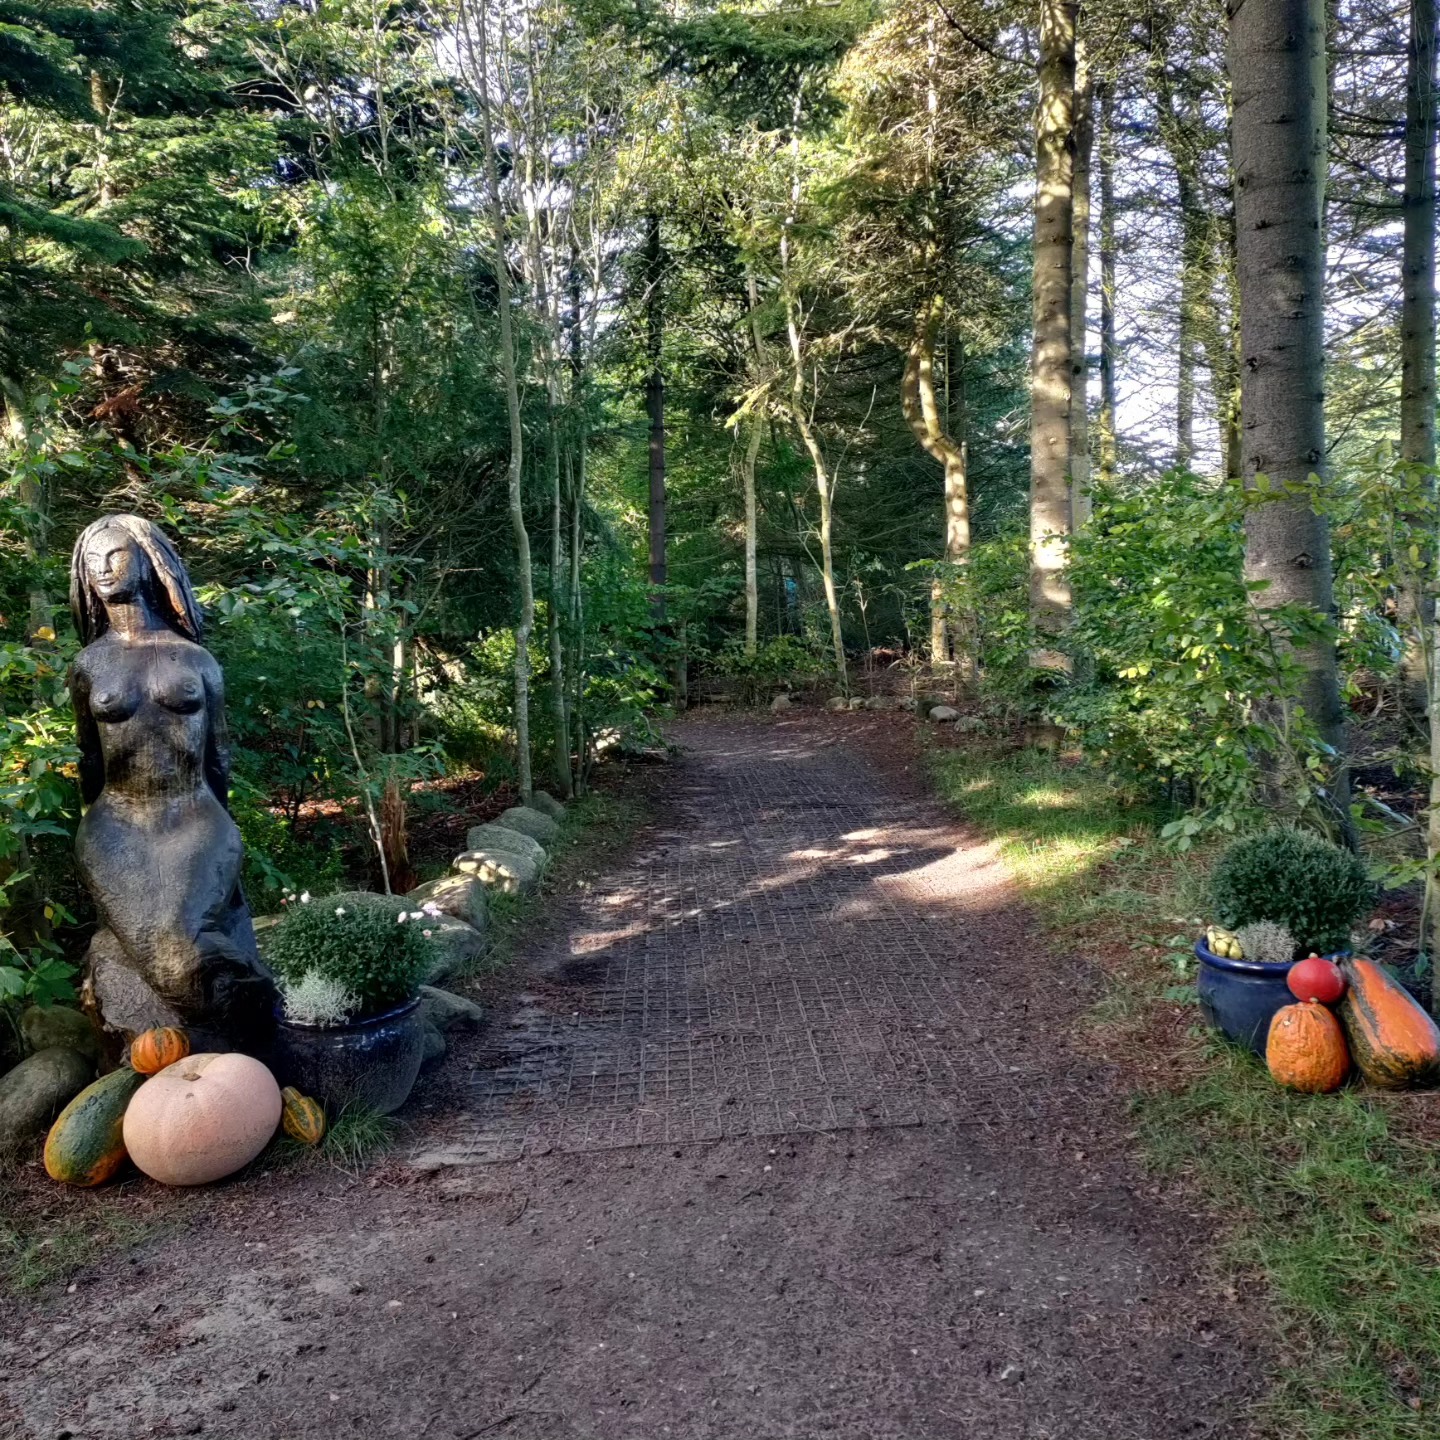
x,y
371,1062
1240,997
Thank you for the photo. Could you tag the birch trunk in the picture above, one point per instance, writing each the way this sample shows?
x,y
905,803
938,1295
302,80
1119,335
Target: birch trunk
x,y
1278,76
655,409
752,588
1050,364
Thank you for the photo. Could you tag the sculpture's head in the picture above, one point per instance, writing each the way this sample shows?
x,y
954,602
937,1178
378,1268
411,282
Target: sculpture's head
x,y
121,559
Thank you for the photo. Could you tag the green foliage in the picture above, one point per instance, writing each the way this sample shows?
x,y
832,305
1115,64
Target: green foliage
x,y
1313,888
356,939
785,660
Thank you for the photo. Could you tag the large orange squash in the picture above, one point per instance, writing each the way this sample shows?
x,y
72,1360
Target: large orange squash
x,y
85,1144
1395,1043
1306,1049
202,1118
153,1050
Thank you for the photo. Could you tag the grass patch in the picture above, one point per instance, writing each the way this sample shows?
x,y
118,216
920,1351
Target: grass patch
x,y
1331,1204
32,1256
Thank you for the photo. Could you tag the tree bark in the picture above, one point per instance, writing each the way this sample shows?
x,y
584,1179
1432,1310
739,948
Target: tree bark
x,y
752,588
1278,77
655,408
1417,322
474,26
1080,294
927,424
1050,365
1107,282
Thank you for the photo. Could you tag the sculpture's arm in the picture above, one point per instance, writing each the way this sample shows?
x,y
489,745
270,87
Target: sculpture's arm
x,y
217,735
87,732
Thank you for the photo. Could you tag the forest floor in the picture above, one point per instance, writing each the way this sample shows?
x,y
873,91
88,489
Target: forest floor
x,y
786,1125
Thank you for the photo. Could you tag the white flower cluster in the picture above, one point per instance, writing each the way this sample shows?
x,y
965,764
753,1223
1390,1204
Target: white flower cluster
x,y
315,999
429,909
289,897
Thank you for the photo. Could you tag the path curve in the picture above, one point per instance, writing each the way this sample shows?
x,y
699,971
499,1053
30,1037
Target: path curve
x,y
783,1141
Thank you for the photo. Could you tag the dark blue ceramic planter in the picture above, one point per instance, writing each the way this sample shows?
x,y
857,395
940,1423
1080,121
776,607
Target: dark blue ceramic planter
x,y
371,1062
1240,997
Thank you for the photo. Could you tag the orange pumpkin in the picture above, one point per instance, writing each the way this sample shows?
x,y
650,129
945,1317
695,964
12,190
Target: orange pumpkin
x,y
202,1118
1395,1043
1306,1049
303,1118
153,1050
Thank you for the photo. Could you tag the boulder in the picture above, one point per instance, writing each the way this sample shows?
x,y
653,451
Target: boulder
x,y
907,702
46,1026
444,1010
547,805
780,702
460,896
837,703
944,712
36,1091
502,837
530,822
501,870
434,1045
454,945
970,724
880,702
856,702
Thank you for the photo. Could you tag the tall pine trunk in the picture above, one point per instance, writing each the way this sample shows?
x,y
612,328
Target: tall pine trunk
x,y
752,588
1107,283
1080,294
655,408
1050,364
1278,77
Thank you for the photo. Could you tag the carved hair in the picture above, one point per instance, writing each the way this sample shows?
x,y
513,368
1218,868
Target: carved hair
x,y
167,585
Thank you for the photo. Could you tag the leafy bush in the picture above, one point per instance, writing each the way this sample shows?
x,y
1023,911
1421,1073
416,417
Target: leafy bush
x,y
356,939
785,660
1313,888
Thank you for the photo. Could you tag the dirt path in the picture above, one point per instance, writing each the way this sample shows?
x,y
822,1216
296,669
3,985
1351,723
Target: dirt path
x,y
784,1140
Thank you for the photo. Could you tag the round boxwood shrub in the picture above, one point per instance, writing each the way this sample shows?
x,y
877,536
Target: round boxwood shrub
x,y
357,940
1316,890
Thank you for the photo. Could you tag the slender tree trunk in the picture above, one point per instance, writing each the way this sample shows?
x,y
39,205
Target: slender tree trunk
x,y
1107,282
1417,325
922,413
34,498
475,27
559,710
752,588
1080,295
655,407
1278,76
1050,365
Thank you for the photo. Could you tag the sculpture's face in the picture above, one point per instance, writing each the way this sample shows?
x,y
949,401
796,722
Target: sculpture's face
x,y
114,565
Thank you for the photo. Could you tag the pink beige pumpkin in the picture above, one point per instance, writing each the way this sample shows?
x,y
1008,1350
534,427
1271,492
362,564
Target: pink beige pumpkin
x,y
202,1118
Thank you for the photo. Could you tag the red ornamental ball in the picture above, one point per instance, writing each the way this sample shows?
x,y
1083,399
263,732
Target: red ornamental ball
x,y
1316,979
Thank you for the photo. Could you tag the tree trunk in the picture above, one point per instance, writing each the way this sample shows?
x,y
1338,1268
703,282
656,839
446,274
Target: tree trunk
x,y
1107,282
752,588
1278,77
1050,356
927,424
1080,295
559,709
33,495
476,37
1417,318
655,409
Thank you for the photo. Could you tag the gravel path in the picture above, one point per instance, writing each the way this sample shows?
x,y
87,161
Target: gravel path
x,y
783,1139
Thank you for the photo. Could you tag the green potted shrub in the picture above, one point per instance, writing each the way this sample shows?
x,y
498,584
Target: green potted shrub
x,y
349,967
1289,894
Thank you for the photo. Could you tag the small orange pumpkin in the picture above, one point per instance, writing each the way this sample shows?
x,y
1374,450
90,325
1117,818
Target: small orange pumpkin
x,y
153,1050
1306,1049
303,1119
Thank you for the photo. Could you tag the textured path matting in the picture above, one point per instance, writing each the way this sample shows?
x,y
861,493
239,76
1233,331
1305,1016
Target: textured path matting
x,y
792,952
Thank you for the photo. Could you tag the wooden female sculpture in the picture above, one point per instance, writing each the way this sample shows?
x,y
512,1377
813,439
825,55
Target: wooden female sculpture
x,y
157,847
